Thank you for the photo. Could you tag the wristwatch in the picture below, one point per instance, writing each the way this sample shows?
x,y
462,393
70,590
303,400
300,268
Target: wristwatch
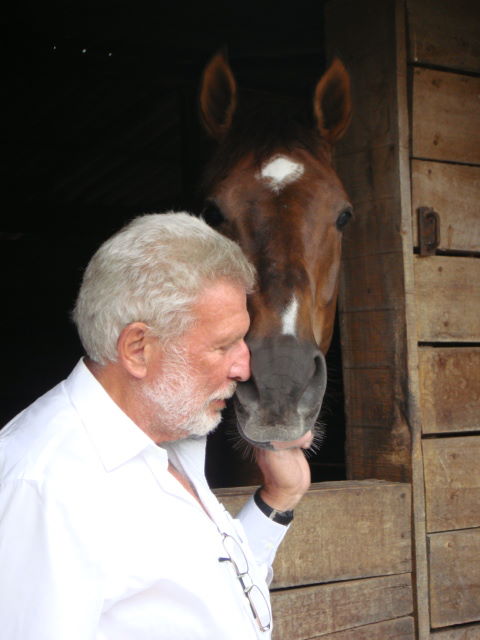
x,y
281,517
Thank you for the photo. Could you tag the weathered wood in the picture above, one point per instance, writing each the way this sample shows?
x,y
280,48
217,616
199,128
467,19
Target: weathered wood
x,y
316,611
452,482
446,117
454,577
471,632
380,274
445,33
454,192
448,299
368,46
341,531
398,629
372,160
450,389
388,457
378,441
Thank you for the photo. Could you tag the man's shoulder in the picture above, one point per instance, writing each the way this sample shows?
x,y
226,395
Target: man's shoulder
x,y
46,439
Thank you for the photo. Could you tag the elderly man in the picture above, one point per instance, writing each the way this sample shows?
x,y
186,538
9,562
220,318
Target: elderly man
x,y
108,527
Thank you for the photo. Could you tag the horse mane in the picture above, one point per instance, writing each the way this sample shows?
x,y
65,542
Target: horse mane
x,y
264,124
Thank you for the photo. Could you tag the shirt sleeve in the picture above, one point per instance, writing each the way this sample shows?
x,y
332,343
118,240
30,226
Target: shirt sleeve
x,y
49,579
264,535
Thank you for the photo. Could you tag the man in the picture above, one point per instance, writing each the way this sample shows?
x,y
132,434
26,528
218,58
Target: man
x,y
108,529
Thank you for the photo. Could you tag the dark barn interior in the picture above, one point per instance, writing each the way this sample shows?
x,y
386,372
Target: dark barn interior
x,y
104,126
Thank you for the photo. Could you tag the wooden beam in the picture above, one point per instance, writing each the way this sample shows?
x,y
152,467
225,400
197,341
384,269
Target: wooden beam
x,y
446,117
447,292
470,632
325,609
398,629
454,577
341,531
452,482
449,389
445,33
454,193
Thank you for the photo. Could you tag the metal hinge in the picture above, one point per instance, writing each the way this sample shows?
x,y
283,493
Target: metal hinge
x,y
428,230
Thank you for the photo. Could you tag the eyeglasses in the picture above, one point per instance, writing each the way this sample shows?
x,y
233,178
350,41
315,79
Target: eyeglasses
x,y
258,602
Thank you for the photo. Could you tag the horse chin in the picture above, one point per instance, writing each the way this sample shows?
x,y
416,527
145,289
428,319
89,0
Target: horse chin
x,y
272,436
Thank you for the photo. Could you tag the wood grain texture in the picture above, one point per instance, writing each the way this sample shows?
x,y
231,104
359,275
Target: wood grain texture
x,y
369,160
447,292
446,116
471,632
454,577
341,531
445,34
454,192
324,609
452,482
450,389
398,629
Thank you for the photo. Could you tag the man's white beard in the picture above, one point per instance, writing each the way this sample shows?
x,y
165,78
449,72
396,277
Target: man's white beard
x,y
177,397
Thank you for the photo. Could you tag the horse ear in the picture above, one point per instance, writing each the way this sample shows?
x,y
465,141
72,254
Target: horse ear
x,y
218,96
333,102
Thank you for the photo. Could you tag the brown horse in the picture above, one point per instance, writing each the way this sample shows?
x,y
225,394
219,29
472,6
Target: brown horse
x,y
271,187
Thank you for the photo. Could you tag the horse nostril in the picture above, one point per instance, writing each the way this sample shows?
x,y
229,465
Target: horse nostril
x,y
314,391
247,392
320,367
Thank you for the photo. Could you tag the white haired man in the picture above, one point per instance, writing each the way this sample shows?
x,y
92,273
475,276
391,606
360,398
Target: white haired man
x,y
108,527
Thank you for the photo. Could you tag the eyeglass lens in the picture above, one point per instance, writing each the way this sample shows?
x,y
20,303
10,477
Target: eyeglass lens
x,y
258,603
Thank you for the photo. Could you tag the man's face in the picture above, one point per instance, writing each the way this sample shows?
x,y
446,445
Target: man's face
x,y
188,383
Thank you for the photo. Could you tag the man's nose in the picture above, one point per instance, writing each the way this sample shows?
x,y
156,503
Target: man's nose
x,y
240,369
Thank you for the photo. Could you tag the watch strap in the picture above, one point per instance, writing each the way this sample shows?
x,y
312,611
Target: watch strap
x,y
281,517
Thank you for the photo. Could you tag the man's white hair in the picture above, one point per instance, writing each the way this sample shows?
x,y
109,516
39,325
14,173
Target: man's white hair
x,y
153,271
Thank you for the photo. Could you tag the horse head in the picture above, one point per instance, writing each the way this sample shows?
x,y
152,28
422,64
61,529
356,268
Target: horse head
x,y
271,187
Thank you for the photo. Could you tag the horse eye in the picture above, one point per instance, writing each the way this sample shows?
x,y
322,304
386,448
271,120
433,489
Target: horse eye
x,y
212,215
344,218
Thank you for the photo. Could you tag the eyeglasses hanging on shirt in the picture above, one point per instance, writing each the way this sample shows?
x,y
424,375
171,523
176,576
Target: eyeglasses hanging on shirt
x,y
259,605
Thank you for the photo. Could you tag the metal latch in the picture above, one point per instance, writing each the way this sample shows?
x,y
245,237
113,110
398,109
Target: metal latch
x,y
428,230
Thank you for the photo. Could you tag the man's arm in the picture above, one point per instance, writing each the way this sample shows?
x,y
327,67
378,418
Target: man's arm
x,y
286,478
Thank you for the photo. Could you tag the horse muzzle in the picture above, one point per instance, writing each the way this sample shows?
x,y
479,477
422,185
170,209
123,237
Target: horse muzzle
x,y
282,399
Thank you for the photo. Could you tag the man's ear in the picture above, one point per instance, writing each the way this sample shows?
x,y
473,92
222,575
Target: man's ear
x,y
133,347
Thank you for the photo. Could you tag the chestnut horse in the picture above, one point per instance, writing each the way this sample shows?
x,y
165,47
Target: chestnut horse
x,y
272,188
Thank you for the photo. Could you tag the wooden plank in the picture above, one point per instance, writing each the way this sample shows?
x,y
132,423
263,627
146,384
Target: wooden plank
x,y
446,117
360,34
372,279
452,482
368,342
324,609
377,273
449,389
454,577
389,454
454,192
448,299
445,34
470,632
398,629
341,531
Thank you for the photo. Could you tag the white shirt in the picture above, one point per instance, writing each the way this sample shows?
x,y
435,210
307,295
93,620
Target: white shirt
x,y
98,541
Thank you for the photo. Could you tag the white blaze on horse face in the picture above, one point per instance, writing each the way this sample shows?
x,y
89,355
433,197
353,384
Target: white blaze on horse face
x,y
280,171
289,318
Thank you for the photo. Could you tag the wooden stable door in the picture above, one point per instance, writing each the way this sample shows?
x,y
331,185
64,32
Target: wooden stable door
x,y
410,300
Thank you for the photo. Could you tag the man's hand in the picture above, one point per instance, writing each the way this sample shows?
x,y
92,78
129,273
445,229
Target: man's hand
x,y
286,474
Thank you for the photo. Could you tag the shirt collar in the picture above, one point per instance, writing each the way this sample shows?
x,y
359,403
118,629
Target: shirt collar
x,y
115,436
